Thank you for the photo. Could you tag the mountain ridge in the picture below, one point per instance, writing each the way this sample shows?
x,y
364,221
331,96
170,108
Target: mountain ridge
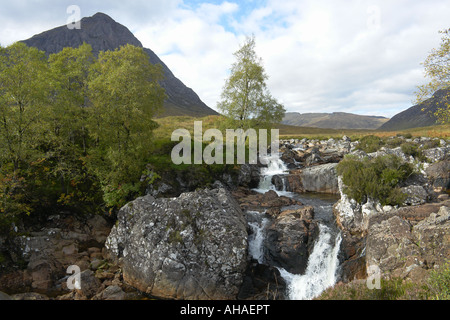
x,y
103,33
335,120
420,115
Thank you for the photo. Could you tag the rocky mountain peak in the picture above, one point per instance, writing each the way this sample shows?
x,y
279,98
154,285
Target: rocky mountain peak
x,y
100,31
103,33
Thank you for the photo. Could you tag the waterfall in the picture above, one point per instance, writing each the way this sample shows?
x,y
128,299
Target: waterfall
x,y
323,263
257,224
275,166
321,269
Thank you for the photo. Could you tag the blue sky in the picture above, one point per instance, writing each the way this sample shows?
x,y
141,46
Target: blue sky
x,y
358,56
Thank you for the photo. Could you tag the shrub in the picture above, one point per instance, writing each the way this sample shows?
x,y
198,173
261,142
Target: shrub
x,y
407,135
439,283
435,287
393,289
370,144
376,179
394,142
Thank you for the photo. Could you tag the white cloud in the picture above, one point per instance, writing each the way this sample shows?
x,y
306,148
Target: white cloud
x,y
355,55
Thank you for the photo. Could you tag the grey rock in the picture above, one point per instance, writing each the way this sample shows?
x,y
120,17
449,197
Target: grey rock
x,y
437,154
405,249
289,240
248,175
322,179
190,247
113,292
416,195
90,285
439,175
278,182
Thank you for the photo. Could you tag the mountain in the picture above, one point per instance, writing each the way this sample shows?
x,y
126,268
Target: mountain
x,y
421,115
103,34
336,120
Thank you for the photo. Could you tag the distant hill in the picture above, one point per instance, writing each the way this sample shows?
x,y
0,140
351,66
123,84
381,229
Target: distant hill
x,y
336,120
421,115
103,34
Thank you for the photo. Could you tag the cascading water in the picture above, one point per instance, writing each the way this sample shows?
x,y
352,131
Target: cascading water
x,y
275,166
321,272
257,224
323,263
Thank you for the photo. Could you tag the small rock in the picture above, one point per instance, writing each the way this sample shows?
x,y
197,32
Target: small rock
x,y
96,263
443,197
416,195
113,292
90,285
30,296
70,249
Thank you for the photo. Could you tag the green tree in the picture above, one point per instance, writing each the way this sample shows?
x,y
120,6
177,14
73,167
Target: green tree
x,y
71,69
245,99
24,112
125,95
24,93
68,139
437,69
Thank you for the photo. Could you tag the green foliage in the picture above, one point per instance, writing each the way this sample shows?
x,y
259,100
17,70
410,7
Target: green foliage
x,y
412,149
376,179
370,144
246,101
393,289
434,287
439,283
125,96
75,131
23,102
437,69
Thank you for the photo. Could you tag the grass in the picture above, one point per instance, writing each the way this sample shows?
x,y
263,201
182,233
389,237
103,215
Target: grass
x,y
169,124
434,287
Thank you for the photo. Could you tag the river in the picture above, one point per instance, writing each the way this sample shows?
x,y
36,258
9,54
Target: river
x,y
323,264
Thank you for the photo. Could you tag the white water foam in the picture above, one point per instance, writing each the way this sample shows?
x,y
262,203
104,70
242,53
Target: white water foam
x,y
321,270
256,239
275,166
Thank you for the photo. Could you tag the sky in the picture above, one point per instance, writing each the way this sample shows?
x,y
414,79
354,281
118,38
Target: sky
x,y
356,56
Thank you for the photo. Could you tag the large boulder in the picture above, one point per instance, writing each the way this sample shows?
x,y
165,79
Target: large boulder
x,y
322,179
439,175
249,175
270,201
401,246
190,247
290,240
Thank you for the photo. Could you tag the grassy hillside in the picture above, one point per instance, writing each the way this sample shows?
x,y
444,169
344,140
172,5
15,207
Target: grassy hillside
x,y
169,124
336,120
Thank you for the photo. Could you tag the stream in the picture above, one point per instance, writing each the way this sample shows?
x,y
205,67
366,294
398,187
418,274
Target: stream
x,y
323,264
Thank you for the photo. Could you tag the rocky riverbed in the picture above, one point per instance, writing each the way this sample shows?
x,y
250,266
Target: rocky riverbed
x,y
194,245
